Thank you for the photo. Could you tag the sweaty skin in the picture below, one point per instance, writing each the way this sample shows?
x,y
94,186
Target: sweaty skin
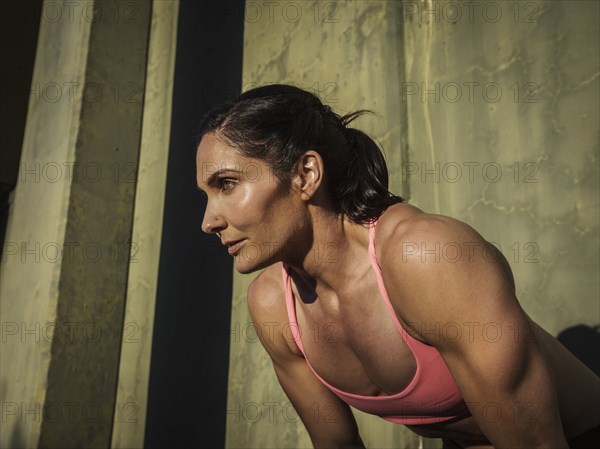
x,y
543,393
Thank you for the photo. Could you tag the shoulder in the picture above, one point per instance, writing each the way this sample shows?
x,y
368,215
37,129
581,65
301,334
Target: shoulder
x,y
412,224
266,288
425,241
266,296
267,306
437,267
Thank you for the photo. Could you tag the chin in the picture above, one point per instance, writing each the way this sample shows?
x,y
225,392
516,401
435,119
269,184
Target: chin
x,y
243,266
245,269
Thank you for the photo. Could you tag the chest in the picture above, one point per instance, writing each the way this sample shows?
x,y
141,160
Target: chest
x,y
353,343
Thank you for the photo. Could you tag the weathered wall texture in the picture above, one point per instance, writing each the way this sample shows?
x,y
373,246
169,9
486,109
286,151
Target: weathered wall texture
x,y
66,255
501,130
503,134
29,285
136,348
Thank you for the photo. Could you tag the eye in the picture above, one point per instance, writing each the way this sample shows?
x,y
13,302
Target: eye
x,y
227,184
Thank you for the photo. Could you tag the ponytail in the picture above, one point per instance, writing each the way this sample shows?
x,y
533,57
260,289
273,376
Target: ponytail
x,y
278,123
364,194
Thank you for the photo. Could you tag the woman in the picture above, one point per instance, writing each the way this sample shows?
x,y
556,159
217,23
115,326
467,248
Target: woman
x,y
399,313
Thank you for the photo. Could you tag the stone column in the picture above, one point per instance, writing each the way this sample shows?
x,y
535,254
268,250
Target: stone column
x,y
136,343
68,245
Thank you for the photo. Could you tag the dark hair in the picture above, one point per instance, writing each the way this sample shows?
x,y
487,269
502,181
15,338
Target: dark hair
x,y
278,123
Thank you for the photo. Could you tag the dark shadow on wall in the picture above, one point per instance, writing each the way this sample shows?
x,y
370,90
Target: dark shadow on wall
x,y
19,29
584,343
4,206
187,394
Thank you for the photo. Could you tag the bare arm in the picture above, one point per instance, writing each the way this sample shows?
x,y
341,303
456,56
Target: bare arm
x,y
461,284
328,420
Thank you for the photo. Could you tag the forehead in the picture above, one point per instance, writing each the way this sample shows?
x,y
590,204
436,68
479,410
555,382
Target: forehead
x,y
213,149
214,154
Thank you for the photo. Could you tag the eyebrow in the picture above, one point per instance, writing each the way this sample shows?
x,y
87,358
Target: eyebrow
x,y
214,176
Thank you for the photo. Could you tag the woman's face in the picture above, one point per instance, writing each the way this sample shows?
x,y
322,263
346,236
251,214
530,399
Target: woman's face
x,y
255,216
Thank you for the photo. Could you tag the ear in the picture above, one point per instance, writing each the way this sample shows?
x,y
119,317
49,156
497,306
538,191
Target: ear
x,y
309,174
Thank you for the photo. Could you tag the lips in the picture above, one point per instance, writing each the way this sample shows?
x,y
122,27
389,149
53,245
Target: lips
x,y
234,246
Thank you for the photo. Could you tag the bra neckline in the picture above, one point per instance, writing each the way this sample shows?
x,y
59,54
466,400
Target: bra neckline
x,y
405,335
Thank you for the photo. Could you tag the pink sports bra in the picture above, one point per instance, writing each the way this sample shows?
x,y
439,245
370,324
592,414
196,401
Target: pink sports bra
x,y
432,395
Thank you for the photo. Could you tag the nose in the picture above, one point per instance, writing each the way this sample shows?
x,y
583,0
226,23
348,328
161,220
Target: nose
x,y
212,223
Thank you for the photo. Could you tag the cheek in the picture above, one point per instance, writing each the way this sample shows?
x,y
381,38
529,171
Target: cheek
x,y
256,204
280,213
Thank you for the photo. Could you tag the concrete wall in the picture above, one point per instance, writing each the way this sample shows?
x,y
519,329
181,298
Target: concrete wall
x,y
489,114
28,285
69,276
134,365
505,116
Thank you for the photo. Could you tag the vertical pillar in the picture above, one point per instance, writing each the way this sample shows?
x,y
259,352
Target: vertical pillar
x,y
38,215
64,274
92,284
190,348
136,343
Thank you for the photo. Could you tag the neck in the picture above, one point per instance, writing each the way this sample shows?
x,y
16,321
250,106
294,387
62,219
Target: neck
x,y
335,255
